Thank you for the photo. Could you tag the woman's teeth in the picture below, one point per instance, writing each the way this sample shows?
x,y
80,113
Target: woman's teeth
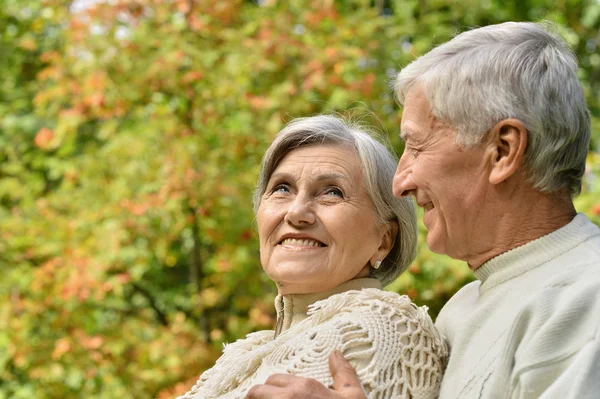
x,y
301,243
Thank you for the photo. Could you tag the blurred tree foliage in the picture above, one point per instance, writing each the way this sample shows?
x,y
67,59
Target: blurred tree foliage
x,y
131,134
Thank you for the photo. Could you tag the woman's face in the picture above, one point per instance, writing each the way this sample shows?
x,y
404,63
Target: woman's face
x,y
316,223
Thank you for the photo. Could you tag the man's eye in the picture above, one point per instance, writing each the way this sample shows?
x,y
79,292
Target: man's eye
x,y
414,151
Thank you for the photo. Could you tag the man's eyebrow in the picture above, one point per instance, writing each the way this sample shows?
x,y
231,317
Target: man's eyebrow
x,y
411,133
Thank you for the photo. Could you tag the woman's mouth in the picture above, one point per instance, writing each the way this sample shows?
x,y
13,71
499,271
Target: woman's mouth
x,y
301,242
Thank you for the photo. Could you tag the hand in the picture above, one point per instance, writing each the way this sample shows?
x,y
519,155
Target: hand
x,y
346,384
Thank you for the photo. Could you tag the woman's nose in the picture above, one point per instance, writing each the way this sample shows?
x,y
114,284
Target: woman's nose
x,y
301,212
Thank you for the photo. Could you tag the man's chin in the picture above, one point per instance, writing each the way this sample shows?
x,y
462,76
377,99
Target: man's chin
x,y
435,243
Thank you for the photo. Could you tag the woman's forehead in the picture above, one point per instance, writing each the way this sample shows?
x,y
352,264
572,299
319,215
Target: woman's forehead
x,y
323,160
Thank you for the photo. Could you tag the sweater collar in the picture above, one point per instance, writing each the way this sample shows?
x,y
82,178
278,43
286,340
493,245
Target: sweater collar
x,y
293,308
535,253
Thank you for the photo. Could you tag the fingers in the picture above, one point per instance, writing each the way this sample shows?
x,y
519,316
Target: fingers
x,y
345,383
285,386
272,388
282,380
345,379
264,392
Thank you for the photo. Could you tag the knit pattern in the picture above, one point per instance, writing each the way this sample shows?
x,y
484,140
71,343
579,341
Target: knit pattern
x,y
393,344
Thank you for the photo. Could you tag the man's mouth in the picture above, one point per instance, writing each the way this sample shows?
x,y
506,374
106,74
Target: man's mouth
x,y
427,206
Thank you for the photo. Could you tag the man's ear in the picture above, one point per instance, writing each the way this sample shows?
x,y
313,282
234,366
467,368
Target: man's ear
x,y
509,141
388,239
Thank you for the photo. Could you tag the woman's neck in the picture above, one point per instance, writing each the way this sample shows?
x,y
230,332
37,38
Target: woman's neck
x,y
293,308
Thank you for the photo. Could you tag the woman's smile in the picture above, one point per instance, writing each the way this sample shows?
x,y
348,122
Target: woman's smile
x,y
294,243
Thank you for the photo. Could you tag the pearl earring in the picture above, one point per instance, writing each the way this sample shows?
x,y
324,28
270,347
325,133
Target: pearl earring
x,y
377,264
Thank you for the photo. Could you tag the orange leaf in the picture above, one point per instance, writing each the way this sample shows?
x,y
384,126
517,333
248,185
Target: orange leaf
x,y
43,138
62,346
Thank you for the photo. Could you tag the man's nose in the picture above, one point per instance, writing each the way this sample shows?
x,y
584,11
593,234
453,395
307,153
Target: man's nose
x,y
403,184
300,212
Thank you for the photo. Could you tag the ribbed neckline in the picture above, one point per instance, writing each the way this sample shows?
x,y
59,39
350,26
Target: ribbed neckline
x,y
293,308
522,259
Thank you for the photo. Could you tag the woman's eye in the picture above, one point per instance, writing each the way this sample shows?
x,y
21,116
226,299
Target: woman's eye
x,y
281,188
334,191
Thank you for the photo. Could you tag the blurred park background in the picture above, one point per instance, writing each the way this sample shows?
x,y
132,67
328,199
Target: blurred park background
x,y
131,134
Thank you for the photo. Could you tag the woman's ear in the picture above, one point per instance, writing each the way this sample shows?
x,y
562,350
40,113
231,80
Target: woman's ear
x,y
388,239
508,139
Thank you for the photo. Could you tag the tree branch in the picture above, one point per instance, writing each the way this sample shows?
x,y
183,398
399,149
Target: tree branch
x,y
162,318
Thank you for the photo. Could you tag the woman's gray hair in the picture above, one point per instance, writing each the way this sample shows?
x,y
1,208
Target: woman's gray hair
x,y
519,70
378,167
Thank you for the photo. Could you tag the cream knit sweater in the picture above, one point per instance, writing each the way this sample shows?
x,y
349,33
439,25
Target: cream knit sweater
x,y
530,327
393,344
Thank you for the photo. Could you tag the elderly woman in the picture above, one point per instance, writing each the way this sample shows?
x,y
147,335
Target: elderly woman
x,y
331,235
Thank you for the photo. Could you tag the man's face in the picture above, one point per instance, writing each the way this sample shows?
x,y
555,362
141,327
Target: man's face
x,y
449,182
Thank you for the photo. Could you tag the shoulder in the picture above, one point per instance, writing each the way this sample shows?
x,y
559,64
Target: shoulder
x,y
568,290
368,298
251,341
241,350
238,360
380,333
557,332
557,321
374,307
563,315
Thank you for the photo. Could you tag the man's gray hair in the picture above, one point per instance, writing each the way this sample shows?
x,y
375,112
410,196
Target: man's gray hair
x,y
378,165
519,70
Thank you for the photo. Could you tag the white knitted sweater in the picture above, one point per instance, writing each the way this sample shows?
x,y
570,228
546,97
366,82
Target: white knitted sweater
x,y
393,344
530,327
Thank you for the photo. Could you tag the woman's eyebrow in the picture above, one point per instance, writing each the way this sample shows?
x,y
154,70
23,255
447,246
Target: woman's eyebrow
x,y
331,176
335,176
281,176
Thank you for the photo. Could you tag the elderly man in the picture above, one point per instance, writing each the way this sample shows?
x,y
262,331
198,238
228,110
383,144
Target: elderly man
x,y
497,131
